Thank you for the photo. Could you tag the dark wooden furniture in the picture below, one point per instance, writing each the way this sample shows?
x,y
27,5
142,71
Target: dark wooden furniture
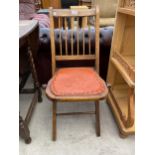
x,y
71,88
51,3
28,34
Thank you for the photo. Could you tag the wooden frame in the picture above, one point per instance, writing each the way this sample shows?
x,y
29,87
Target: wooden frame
x,y
84,20
51,3
62,15
28,33
121,71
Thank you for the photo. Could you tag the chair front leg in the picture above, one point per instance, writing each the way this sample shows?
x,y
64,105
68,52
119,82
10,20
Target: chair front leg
x,y
97,115
54,120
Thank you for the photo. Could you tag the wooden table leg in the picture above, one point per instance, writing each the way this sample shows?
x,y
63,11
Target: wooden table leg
x,y
31,39
24,130
23,81
34,75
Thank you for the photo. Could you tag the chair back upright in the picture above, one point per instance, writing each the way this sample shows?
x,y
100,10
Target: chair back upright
x,y
69,31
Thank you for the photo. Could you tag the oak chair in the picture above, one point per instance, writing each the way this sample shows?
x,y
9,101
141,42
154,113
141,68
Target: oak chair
x,y
84,21
74,84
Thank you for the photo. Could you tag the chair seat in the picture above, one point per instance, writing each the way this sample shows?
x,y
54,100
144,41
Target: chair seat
x,y
77,81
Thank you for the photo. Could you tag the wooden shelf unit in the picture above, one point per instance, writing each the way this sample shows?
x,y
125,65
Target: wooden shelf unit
x,y
126,11
125,66
127,7
121,71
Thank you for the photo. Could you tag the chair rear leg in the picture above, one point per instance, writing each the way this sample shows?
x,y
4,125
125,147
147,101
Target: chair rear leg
x,y
97,115
54,120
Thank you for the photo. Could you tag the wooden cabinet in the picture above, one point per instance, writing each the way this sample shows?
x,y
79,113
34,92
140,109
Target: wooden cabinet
x,y
48,3
121,71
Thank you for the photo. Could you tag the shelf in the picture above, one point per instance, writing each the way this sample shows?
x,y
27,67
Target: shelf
x,y
127,11
120,103
123,130
124,74
121,71
120,95
126,67
130,60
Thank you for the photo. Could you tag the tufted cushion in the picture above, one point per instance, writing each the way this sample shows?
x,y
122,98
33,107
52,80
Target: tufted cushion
x,y
44,67
77,81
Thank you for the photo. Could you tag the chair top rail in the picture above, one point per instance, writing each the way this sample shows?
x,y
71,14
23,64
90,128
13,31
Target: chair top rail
x,y
72,13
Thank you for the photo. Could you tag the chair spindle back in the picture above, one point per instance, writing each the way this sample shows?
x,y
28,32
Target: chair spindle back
x,y
69,29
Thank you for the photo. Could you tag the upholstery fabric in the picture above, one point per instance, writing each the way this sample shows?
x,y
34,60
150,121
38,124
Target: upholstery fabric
x,y
107,10
76,81
107,7
44,53
69,32
44,21
26,9
107,21
27,12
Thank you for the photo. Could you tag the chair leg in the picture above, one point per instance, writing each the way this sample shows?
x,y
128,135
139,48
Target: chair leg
x,y
97,115
54,120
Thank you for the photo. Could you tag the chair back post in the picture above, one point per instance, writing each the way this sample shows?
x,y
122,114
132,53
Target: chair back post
x,y
97,41
53,60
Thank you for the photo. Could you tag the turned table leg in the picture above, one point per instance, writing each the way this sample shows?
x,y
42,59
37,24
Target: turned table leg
x,y
24,130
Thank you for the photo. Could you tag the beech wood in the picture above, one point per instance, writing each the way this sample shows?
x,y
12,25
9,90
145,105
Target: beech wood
x,y
69,15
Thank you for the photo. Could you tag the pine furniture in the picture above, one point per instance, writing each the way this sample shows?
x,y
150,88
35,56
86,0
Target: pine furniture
x,y
121,72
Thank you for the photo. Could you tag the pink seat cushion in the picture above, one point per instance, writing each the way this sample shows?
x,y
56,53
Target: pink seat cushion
x,y
77,81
